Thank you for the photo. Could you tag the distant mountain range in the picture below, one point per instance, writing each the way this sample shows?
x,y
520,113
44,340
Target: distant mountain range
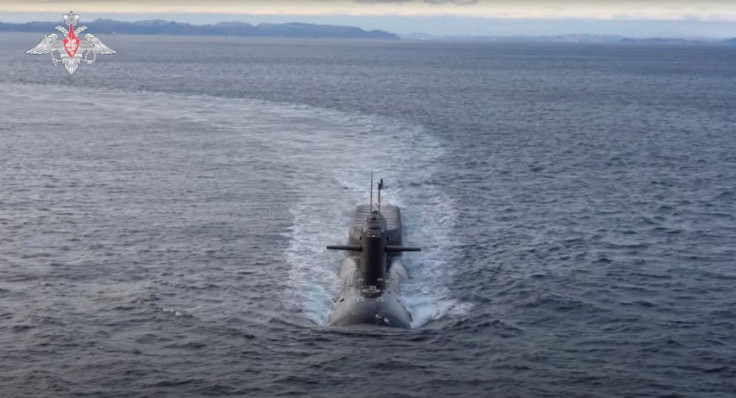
x,y
306,30
161,27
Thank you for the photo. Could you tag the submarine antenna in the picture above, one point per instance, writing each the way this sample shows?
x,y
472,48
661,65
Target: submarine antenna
x,y
371,201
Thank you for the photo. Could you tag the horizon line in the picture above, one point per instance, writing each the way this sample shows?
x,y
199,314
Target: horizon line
x,y
447,26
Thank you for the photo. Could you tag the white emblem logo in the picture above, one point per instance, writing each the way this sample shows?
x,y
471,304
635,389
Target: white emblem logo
x,y
71,50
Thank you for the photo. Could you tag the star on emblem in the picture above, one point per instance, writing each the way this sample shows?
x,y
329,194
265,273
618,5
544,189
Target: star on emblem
x,y
72,51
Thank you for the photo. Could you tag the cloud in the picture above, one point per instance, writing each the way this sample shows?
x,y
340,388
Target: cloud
x,y
672,10
455,2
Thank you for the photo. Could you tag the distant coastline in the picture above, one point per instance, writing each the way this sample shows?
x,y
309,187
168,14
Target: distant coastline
x,y
308,30
161,27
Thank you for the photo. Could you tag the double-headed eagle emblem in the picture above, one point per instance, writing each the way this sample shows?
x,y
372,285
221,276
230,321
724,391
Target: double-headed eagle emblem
x,y
72,51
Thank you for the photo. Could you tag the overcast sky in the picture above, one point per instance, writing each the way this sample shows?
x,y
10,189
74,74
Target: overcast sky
x,y
677,18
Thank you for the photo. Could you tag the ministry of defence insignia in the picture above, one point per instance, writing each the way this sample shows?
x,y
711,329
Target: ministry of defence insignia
x,y
72,51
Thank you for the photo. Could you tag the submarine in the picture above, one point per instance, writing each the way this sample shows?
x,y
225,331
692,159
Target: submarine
x,y
372,269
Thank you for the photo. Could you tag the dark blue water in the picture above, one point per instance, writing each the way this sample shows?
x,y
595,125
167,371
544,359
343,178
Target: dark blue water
x,y
164,212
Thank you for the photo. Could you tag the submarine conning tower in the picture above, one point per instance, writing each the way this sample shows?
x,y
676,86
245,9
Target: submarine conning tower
x,y
375,238
372,263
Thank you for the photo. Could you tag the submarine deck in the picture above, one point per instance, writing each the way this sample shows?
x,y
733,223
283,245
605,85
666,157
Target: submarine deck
x,y
391,213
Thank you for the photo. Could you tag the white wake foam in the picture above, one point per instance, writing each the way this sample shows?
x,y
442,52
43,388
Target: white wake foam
x,y
405,156
324,157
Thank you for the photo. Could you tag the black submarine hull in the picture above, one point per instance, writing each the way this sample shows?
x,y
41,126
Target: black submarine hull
x,y
364,303
361,305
